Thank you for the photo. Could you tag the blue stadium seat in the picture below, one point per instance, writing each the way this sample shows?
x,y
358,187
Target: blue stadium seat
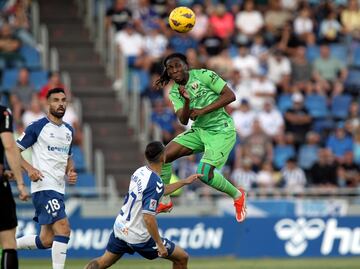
x,y
352,83
284,102
281,154
339,52
143,77
9,79
316,104
79,159
356,57
312,52
340,106
39,78
85,186
322,125
31,56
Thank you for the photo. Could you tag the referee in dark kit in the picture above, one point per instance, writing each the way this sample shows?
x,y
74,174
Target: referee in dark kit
x,y
8,220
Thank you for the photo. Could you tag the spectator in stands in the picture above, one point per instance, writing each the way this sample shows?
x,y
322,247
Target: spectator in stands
x,y
257,147
288,41
353,120
210,44
266,177
324,171
244,118
350,19
243,176
54,81
155,43
270,119
259,49
181,43
202,23
246,63
9,48
222,22
151,92
301,69
293,177
279,69
262,89
284,149
297,119
303,24
308,152
165,119
222,64
330,28
34,113
340,142
327,68
22,94
349,172
241,87
118,15
248,22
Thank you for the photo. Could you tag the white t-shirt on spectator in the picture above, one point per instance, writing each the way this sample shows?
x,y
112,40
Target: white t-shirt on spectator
x,y
155,46
277,69
249,22
266,86
130,45
265,179
303,25
242,90
244,179
243,122
247,65
272,122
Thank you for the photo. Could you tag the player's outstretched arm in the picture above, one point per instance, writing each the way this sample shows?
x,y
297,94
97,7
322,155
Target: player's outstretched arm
x,y
226,97
152,227
170,188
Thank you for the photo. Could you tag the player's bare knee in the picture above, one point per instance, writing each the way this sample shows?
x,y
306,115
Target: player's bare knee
x,y
62,227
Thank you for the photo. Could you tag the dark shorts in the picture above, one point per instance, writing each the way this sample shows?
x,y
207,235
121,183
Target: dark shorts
x,y
49,206
147,249
8,218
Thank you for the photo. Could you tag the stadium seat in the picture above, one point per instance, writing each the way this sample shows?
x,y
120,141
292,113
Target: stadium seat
x,y
356,57
352,83
281,154
284,102
339,52
79,159
142,76
39,78
316,104
322,126
340,106
85,186
9,79
31,56
312,52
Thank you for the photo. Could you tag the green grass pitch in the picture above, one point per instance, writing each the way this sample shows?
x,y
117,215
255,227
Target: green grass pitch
x,y
213,263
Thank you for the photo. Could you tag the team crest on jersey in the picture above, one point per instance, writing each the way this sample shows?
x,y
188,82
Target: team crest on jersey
x,y
153,204
68,137
195,86
52,135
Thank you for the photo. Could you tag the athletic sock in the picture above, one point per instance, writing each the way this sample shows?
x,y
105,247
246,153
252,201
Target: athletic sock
x,y
166,171
220,183
58,251
29,242
9,259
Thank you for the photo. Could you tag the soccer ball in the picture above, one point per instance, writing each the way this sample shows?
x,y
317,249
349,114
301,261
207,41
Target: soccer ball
x,y
182,19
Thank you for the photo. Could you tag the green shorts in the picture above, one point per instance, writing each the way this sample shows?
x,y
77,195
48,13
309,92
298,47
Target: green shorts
x,y
216,145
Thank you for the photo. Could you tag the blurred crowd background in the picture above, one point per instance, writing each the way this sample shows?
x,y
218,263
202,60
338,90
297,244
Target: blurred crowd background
x,y
293,65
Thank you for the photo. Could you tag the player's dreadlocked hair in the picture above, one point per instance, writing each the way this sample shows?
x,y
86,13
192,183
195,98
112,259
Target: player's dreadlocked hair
x,y
164,77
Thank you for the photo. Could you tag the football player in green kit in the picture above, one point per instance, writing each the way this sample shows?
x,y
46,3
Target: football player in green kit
x,y
201,95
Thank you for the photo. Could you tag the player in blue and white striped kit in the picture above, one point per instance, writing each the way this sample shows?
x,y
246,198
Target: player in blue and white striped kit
x,y
135,228
50,140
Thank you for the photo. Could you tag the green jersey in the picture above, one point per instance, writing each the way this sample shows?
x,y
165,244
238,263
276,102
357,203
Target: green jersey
x,y
204,88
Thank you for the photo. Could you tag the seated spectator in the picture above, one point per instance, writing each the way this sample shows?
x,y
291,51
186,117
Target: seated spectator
x,y
244,118
270,119
340,142
202,23
248,22
353,120
34,113
165,119
288,41
259,49
308,152
266,178
301,69
327,68
279,69
53,82
243,176
222,22
349,172
210,44
241,87
297,119
118,15
330,28
181,43
257,147
9,48
350,19
303,24
222,64
145,17
246,63
284,149
324,172
293,177
262,89
22,94
155,44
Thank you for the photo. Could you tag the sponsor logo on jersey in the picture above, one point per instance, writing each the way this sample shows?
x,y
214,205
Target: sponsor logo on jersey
x,y
64,149
195,86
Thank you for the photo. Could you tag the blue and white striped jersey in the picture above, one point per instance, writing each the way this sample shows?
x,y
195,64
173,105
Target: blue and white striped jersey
x,y
145,190
51,148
